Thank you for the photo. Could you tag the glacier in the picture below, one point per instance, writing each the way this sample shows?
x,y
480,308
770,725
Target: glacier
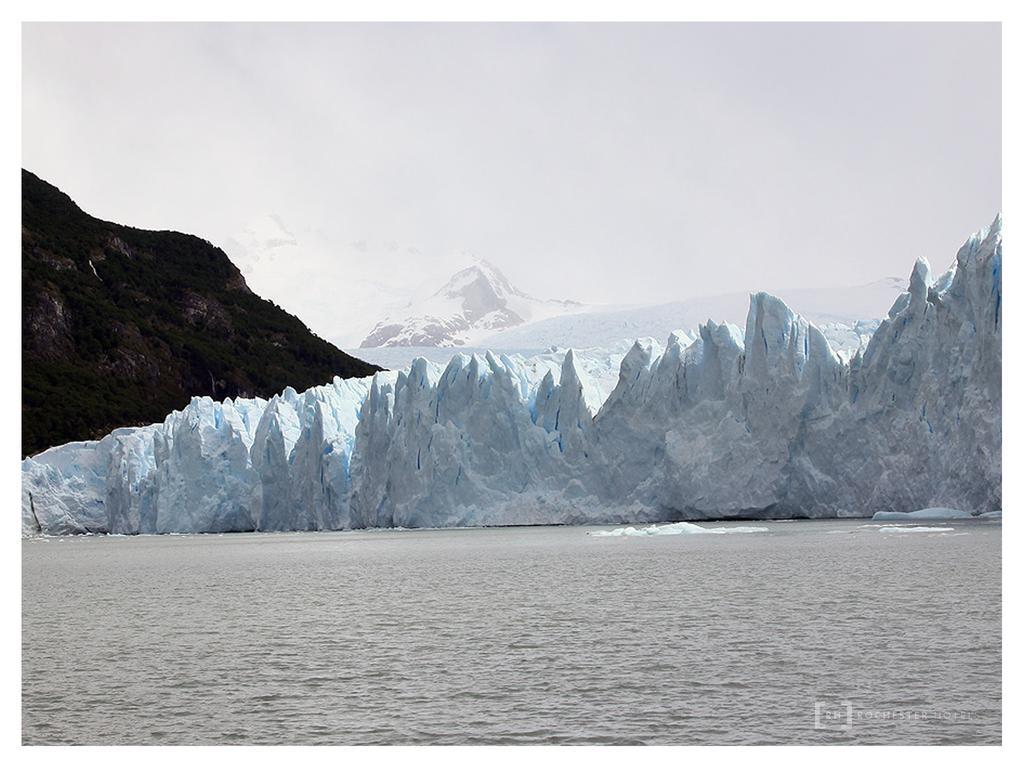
x,y
763,422
676,529
914,529
933,513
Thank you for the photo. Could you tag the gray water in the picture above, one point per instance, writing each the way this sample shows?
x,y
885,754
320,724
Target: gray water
x,y
515,636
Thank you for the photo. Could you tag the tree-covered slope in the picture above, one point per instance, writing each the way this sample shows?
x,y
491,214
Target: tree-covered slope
x,y
120,326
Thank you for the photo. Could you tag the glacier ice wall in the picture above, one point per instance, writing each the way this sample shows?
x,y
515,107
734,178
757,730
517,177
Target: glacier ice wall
x,y
759,423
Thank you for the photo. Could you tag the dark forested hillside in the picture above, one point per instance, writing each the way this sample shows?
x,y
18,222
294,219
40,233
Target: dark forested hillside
x,y
120,326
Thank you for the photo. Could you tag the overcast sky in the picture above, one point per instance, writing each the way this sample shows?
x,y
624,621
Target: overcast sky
x,y
604,163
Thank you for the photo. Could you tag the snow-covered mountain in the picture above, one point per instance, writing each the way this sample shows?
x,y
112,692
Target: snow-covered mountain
x,y
479,308
477,301
763,422
847,316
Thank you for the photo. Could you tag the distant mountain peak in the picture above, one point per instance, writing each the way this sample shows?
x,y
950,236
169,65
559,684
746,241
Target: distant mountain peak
x,y
477,300
481,275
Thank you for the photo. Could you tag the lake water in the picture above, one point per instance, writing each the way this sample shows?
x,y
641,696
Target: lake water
x,y
516,636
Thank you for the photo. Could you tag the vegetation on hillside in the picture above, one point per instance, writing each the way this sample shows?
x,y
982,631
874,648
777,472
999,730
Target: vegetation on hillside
x,y
120,326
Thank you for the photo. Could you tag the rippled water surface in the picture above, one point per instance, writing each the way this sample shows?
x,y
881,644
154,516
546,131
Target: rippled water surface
x,y
518,636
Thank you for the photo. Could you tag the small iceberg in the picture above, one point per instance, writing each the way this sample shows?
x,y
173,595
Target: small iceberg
x,y
932,513
675,529
913,529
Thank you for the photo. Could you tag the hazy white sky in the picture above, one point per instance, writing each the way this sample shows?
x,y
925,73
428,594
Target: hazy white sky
x,y
605,163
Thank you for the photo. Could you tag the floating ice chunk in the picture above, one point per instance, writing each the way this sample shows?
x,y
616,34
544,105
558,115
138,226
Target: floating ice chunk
x,y
932,513
913,529
996,515
675,529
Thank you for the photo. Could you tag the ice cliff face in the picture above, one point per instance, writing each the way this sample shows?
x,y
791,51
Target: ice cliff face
x,y
763,422
236,465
